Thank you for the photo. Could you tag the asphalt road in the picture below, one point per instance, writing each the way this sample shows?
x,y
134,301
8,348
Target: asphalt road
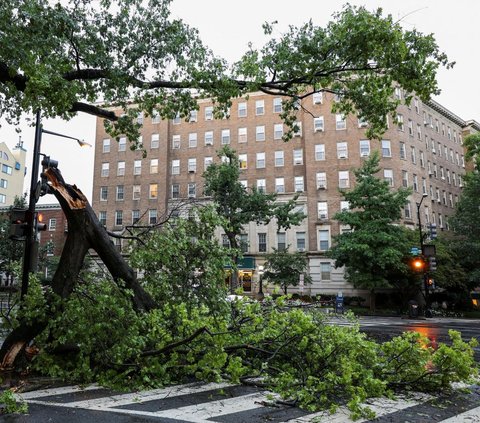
x,y
436,329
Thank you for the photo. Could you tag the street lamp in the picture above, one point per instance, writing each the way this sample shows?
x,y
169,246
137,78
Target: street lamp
x,y
30,241
425,279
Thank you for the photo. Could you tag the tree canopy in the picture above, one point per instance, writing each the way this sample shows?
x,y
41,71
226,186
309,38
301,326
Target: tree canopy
x,y
374,248
84,56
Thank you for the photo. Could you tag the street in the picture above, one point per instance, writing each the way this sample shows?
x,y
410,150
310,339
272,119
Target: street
x,y
222,402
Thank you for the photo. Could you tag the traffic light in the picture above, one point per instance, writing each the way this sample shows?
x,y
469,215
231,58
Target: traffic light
x,y
38,223
433,231
432,263
18,224
418,264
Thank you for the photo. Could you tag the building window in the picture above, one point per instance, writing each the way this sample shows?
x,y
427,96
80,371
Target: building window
x,y
192,165
344,205
244,243
262,242
118,217
207,161
415,183
364,148
192,190
105,169
410,127
52,224
154,141
279,185
407,210
209,113
424,186
413,155
300,239
175,167
140,118
242,109
103,193
297,131
242,161
281,241
405,178
7,169
208,137
193,116
261,185
319,151
277,105
137,167
279,158
325,271
340,122
120,193
322,208
259,107
299,184
152,217
401,126
324,239
343,179
277,131
135,216
153,166
175,191
388,176
225,136
260,133
102,217
297,157
153,191
242,135
321,180
155,116
342,150
317,98
122,144
260,163
3,183
417,108
176,142
386,149
318,124
403,151
192,139
121,168
136,192
106,145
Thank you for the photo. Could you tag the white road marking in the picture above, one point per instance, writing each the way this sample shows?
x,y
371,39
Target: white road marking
x,y
57,391
381,407
469,416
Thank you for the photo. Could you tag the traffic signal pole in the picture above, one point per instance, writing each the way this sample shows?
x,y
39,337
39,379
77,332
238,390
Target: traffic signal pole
x,y
30,232
425,275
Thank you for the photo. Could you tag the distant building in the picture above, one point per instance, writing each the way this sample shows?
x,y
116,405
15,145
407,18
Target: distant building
x,y
423,151
12,172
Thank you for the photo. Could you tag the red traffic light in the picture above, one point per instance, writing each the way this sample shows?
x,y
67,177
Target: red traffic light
x,y
418,264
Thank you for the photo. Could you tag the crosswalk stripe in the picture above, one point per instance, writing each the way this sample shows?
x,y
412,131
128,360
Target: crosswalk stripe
x,y
381,407
155,394
470,416
62,390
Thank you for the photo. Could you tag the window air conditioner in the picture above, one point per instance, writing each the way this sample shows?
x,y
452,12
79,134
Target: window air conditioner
x,y
322,216
322,186
342,156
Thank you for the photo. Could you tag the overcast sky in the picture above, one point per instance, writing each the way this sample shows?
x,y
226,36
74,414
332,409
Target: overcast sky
x,y
227,28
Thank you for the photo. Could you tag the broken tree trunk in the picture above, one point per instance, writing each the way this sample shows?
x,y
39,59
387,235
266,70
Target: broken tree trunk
x,y
84,232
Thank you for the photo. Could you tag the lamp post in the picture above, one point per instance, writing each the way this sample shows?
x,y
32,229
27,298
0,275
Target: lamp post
x,y
425,282
30,238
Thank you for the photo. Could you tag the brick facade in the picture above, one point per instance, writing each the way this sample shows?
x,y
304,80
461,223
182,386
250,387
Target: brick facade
x,y
426,153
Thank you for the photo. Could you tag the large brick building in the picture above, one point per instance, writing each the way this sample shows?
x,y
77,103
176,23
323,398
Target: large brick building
x,y
12,172
423,151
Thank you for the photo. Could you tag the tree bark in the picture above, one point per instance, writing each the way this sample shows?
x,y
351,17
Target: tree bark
x,y
84,232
